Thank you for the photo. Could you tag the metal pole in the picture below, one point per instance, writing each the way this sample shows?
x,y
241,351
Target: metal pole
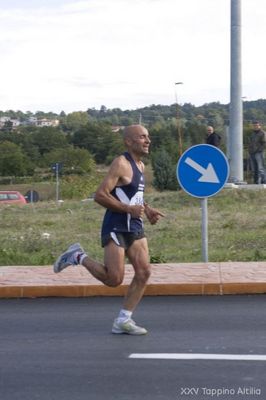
x,y
204,228
227,142
57,181
180,142
236,104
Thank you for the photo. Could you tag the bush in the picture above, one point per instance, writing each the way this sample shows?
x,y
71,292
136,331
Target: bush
x,y
164,171
77,187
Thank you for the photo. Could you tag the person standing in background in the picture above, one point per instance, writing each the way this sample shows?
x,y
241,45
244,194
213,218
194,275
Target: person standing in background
x,y
212,137
257,144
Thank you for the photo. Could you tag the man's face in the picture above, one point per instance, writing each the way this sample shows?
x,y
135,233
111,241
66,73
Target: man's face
x,y
256,127
209,130
140,142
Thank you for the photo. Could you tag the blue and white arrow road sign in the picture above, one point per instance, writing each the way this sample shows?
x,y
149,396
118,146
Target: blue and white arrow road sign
x,y
202,170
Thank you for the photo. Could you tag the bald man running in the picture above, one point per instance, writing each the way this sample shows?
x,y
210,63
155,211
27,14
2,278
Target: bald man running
x,y
121,193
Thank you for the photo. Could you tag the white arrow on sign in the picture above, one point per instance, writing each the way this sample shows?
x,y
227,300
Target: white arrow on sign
x,y
208,175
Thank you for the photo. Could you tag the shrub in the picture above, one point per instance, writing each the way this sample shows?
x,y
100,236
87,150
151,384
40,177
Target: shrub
x,y
164,171
79,187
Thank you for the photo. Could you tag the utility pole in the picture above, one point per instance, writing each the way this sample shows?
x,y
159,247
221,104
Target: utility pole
x,y
236,104
57,181
56,168
179,133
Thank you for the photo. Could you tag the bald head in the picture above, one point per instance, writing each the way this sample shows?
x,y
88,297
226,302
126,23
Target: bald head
x,y
136,139
132,130
210,130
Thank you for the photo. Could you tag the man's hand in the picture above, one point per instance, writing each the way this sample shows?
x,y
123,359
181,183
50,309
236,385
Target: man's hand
x,y
137,211
153,214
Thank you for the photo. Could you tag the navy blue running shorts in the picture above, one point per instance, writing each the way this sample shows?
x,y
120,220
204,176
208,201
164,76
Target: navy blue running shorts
x,y
122,239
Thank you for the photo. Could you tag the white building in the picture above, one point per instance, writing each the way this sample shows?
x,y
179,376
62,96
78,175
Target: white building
x,y
4,120
47,122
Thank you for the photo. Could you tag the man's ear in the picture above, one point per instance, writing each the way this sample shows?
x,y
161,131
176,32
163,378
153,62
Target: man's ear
x,y
127,141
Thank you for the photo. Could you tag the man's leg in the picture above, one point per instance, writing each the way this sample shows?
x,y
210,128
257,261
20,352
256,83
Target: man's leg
x,y
138,255
254,168
111,273
260,166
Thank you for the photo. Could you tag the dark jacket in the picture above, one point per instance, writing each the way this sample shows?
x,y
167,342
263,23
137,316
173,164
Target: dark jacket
x,y
257,142
214,139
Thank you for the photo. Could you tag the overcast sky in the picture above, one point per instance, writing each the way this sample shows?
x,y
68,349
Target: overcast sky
x,y
72,55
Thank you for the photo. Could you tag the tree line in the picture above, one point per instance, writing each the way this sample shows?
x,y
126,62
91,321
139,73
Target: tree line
x,y
84,139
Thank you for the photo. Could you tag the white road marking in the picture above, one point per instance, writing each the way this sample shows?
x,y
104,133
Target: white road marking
x,y
199,356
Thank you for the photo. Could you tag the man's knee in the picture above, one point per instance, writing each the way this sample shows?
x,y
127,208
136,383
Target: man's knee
x,y
114,281
143,273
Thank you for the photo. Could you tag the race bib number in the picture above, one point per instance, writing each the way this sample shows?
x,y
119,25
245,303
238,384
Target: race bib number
x,y
137,199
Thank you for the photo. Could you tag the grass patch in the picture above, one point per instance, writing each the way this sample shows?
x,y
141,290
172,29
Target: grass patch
x,y
237,228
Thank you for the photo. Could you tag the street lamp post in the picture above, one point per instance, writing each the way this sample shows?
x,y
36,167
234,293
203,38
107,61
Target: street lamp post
x,y
179,133
236,103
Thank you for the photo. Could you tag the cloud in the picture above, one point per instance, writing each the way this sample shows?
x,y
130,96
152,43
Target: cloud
x,y
65,53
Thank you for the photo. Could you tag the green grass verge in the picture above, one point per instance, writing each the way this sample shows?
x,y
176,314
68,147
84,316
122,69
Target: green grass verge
x,y
237,228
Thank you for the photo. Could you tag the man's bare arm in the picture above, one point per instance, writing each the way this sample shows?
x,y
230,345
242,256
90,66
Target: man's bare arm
x,y
117,172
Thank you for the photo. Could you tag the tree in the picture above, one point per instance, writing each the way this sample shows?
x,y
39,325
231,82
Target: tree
x,y
75,120
163,132
13,162
75,160
8,126
23,138
99,140
164,171
103,109
195,132
48,139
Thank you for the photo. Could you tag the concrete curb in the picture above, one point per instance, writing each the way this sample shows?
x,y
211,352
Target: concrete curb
x,y
166,280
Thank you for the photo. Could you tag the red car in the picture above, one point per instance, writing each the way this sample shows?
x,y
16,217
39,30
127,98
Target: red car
x,y
11,197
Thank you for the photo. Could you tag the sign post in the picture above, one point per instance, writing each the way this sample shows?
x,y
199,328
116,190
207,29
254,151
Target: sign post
x,y
202,172
56,167
204,229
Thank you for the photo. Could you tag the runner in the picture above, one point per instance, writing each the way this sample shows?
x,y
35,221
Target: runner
x,y
121,193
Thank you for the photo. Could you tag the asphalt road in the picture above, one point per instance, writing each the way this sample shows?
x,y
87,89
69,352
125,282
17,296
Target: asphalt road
x,y
62,349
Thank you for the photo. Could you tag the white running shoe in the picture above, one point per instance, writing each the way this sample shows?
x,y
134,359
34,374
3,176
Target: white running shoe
x,y
129,327
68,258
